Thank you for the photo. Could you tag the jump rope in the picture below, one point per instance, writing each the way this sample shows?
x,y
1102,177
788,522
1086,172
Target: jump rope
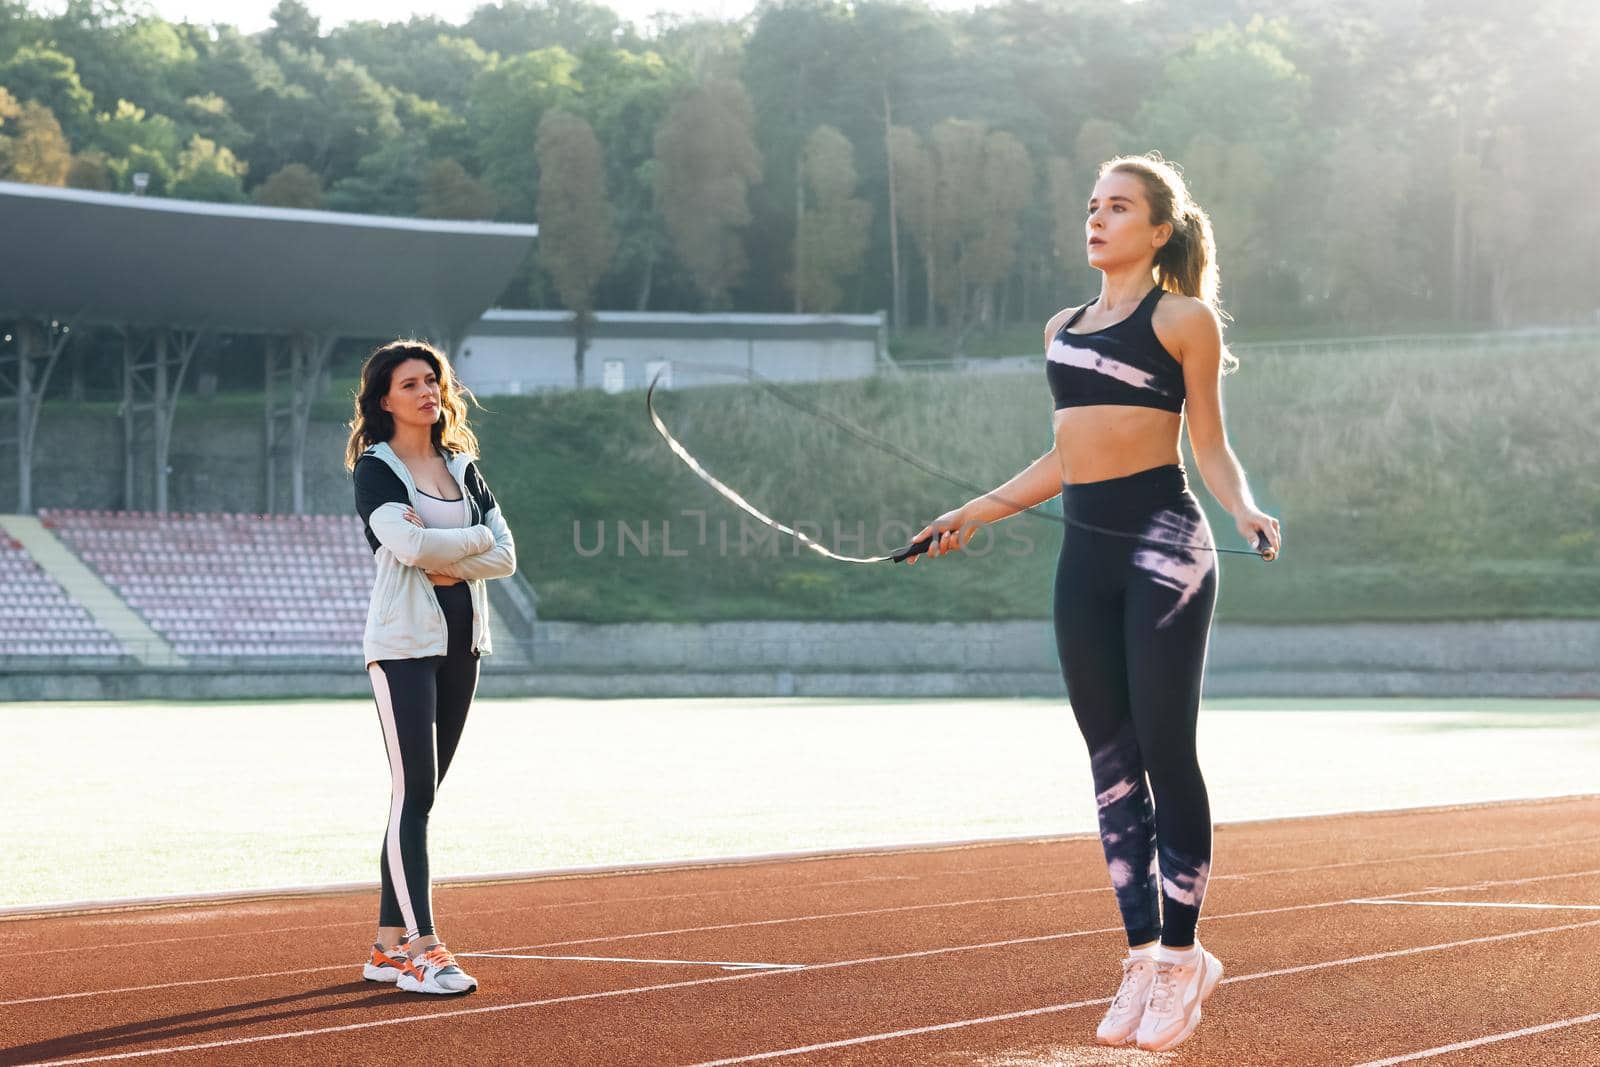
x,y
1263,548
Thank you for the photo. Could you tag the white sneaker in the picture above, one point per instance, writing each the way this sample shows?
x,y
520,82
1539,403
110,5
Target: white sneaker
x,y
436,971
386,964
1173,1010
1127,1007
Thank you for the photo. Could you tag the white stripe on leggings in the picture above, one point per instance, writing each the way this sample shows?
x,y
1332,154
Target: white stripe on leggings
x,y
397,796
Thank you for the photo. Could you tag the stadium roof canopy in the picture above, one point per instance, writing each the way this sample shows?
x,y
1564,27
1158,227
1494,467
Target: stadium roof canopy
x,y
171,273
114,259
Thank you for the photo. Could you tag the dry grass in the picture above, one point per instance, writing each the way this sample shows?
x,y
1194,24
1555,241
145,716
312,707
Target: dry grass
x,y
1412,481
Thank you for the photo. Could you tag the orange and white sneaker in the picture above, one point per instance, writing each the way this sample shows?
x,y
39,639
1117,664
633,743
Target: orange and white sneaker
x,y
436,971
386,964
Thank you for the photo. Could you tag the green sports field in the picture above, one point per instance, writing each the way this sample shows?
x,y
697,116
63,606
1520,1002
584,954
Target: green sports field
x,y
117,799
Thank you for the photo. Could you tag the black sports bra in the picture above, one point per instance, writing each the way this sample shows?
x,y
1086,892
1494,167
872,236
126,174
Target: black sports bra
x,y
1124,364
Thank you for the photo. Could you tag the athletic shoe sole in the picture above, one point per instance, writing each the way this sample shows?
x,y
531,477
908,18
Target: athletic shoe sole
x,y
1207,987
380,974
412,985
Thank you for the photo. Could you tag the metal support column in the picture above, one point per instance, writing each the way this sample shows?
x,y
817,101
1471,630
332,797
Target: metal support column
x,y
24,385
153,368
293,379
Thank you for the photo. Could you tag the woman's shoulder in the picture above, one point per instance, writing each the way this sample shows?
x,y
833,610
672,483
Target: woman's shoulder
x,y
1058,320
1180,310
367,461
373,470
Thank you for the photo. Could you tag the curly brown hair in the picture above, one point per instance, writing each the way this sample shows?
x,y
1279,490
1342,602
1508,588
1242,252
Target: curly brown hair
x,y
372,424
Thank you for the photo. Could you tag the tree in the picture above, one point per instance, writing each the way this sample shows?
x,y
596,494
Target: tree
x,y
576,235
386,182
19,26
123,53
1231,109
139,143
425,57
798,72
441,133
833,237
294,25
449,192
707,162
914,186
89,171
905,52
508,101
513,27
625,99
208,171
118,131
332,114
1366,185
295,185
37,153
983,181
47,76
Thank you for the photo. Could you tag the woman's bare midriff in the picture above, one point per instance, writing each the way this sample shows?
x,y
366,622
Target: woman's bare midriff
x,y
1105,441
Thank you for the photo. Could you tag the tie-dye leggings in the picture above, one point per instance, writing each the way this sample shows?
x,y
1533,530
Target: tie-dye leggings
x,y
1132,618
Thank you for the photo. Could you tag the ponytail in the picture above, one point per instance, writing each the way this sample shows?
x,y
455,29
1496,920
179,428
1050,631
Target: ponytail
x,y
1187,263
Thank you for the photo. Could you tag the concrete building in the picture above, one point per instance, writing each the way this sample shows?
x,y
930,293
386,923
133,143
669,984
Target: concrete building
x,y
511,352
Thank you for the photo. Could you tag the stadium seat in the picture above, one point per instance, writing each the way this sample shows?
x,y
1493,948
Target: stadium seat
x,y
232,585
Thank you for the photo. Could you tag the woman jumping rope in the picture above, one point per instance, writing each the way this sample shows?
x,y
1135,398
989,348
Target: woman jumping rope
x,y
436,533
1134,595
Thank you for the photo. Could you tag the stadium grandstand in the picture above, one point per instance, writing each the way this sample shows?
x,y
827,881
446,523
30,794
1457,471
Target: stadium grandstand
x,y
143,586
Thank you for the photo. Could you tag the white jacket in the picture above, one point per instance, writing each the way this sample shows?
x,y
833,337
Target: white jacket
x,y
404,619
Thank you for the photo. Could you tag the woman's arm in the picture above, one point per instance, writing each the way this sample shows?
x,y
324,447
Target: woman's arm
x,y
1033,485
499,560
382,504
1036,483
1199,342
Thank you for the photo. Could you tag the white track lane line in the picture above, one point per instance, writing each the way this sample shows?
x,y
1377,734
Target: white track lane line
x,y
1429,891
458,914
1509,1035
726,965
807,918
1054,1008
1481,904
752,975
1320,866
811,885
1546,845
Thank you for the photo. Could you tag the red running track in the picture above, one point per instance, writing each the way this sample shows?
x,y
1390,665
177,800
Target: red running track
x,y
1452,937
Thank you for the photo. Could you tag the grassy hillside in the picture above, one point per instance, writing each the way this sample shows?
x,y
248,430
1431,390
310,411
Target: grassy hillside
x,y
1412,483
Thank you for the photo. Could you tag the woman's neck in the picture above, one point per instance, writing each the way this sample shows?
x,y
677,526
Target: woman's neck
x,y
1122,289
412,442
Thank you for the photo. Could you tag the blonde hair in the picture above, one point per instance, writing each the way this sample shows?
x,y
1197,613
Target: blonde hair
x,y
372,424
1187,263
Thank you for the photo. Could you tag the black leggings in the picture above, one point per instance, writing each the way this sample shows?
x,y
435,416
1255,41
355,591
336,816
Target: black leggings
x,y
1132,619
422,706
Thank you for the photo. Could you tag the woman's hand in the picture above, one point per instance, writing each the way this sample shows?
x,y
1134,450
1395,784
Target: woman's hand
x,y
413,518
1253,523
950,532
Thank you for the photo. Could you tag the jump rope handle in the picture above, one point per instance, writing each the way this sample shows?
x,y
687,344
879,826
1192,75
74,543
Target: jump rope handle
x,y
1264,547
915,548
